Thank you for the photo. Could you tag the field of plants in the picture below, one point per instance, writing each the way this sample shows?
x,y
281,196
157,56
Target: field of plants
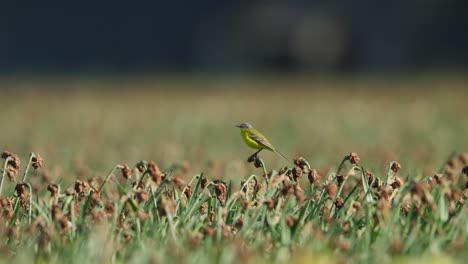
x,y
155,171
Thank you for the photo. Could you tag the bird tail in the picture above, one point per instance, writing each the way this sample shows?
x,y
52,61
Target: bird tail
x,y
277,152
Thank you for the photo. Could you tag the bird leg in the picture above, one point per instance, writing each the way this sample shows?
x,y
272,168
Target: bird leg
x,y
253,156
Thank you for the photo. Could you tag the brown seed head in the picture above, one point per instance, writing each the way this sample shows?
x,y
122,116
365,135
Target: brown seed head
x,y
110,208
450,174
249,188
154,172
417,189
166,206
178,182
395,166
396,246
208,231
357,206
287,188
36,161
331,189
341,245
339,202
296,172
290,220
438,178
21,189
204,182
463,158
53,189
141,166
325,211
313,176
299,193
465,170
142,215
369,176
397,183
384,207
452,163
239,223
340,179
405,207
126,171
270,204
81,187
221,190
354,158
258,163
188,192
142,196
14,161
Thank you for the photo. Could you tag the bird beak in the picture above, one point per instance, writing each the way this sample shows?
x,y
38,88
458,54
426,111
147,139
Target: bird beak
x,y
237,125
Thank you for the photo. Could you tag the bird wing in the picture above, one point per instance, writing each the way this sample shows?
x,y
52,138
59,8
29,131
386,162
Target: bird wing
x,y
259,138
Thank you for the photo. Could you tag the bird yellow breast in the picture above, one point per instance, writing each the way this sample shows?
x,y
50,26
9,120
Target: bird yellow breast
x,y
250,142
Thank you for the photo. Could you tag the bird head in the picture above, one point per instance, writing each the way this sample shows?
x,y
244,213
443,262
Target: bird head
x,y
244,125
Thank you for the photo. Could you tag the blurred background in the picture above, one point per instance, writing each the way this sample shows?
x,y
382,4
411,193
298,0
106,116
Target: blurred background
x,y
91,84
240,36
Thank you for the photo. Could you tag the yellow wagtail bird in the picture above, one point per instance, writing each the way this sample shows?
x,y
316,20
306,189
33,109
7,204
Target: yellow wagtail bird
x,y
255,139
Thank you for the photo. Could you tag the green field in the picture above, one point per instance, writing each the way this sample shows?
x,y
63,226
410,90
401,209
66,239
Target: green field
x,y
190,208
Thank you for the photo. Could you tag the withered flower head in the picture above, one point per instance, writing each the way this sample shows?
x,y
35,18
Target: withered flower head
x,y
142,196
178,182
463,158
287,188
395,166
301,163
208,231
357,206
397,183
354,158
369,176
452,163
331,189
141,166
340,179
142,215
299,193
221,190
81,187
384,207
15,162
438,177
296,172
249,188
21,189
204,182
126,171
313,176
166,206
109,207
53,189
339,202
188,191
417,188
405,207
270,204
154,172
36,161
465,170
239,223
291,220
11,173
